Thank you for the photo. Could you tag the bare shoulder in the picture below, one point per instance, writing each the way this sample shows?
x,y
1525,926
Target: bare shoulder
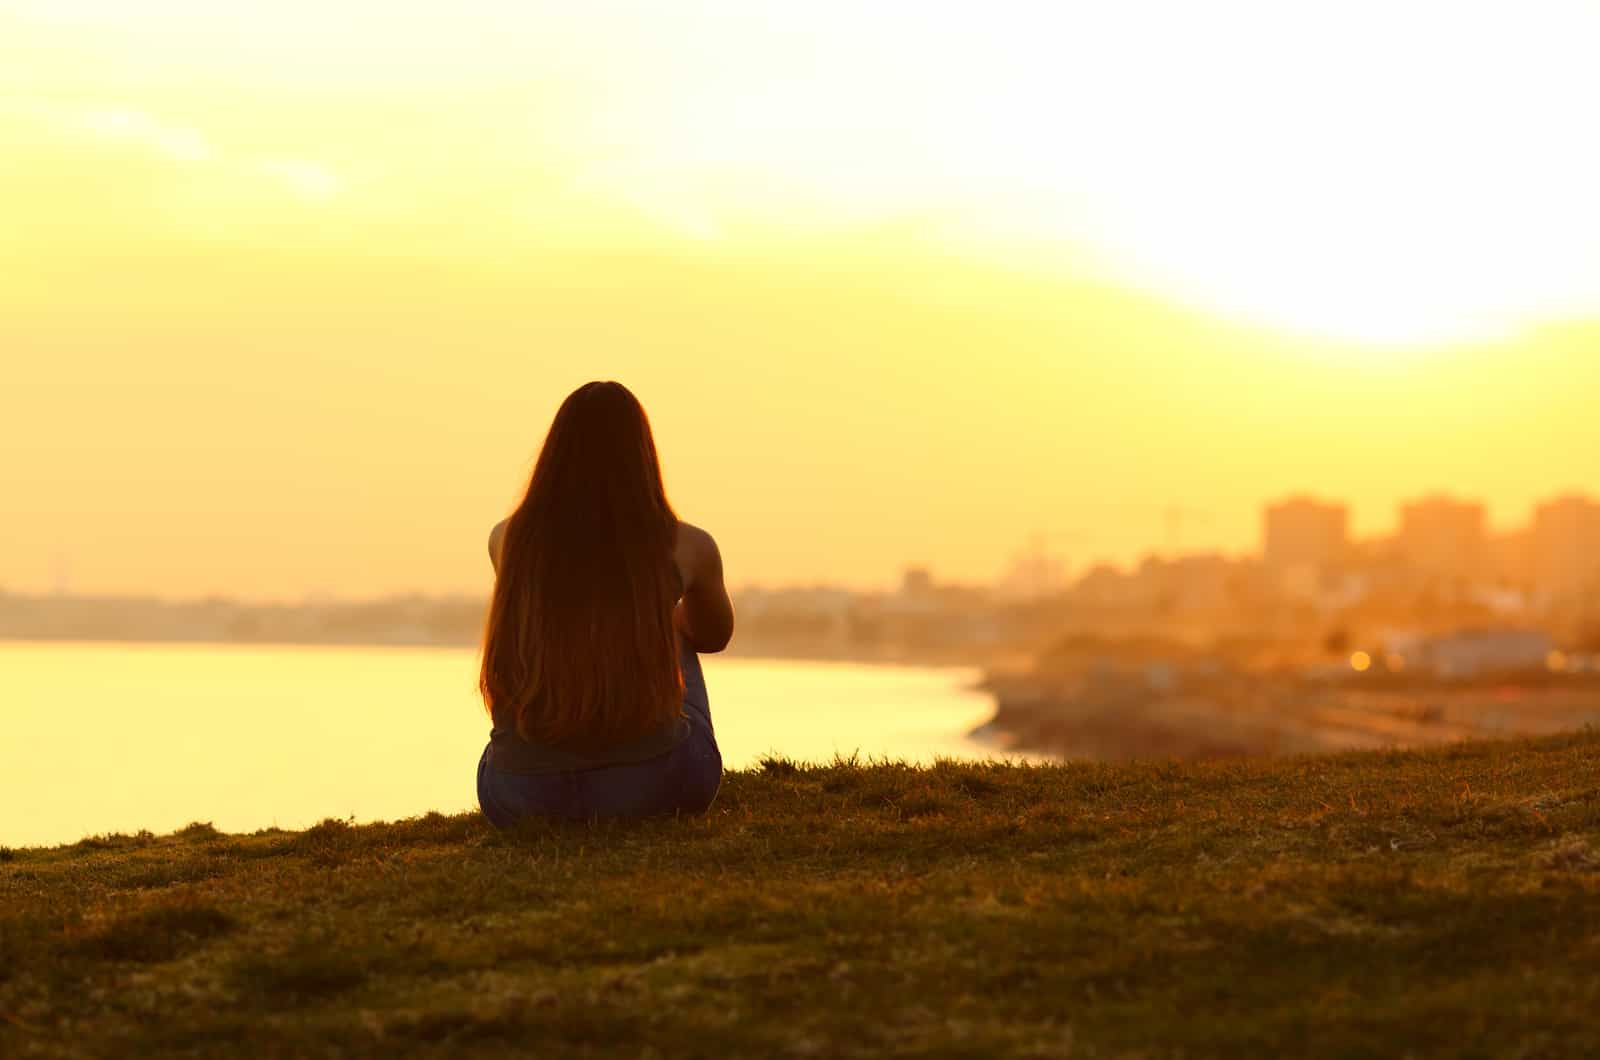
x,y
697,553
692,537
497,542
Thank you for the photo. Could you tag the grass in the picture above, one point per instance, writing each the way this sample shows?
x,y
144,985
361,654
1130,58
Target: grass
x,y
1432,903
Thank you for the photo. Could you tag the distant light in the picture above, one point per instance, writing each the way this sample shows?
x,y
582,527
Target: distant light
x,y
1360,662
1556,661
1396,662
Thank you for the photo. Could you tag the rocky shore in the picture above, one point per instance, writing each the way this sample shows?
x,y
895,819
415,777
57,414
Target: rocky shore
x,y
1109,720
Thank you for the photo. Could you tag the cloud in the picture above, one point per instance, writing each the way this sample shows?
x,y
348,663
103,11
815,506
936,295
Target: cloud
x,y
307,179
126,125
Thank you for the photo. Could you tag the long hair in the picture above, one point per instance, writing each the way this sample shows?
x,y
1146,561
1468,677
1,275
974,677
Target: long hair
x,y
579,650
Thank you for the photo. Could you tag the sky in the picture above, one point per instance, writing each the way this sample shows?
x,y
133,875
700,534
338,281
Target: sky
x,y
289,291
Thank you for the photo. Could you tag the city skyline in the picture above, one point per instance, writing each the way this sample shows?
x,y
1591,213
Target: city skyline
x,y
1558,542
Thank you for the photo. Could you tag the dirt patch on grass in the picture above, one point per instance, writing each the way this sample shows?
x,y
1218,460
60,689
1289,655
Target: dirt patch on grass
x,y
156,934
307,969
1574,854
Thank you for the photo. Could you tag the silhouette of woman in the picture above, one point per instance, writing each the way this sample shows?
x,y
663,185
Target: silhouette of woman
x,y
602,600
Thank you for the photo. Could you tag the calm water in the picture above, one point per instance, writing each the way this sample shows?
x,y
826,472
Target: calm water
x,y
115,738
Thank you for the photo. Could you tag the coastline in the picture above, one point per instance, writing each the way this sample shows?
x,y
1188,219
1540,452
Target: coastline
x,y
765,651
1274,716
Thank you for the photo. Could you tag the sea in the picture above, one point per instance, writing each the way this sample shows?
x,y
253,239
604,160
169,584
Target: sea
x,y
119,738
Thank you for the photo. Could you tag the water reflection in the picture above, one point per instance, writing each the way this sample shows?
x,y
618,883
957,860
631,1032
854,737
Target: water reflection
x,y
116,738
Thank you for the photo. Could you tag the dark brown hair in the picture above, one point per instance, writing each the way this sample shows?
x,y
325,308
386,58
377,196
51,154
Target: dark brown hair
x,y
579,649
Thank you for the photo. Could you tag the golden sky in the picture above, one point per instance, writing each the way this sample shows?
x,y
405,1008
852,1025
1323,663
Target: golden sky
x,y
289,291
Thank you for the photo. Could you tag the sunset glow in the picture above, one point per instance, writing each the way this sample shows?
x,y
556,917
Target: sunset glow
x,y
257,253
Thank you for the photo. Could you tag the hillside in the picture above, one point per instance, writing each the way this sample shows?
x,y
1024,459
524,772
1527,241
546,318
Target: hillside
x,y
1434,903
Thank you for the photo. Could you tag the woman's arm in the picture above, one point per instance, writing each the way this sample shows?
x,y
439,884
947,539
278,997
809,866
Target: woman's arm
x,y
705,614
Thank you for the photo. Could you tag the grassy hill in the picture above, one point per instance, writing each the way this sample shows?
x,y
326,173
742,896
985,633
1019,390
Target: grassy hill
x,y
1442,902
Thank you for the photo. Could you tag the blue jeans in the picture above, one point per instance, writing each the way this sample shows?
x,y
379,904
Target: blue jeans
x,y
685,780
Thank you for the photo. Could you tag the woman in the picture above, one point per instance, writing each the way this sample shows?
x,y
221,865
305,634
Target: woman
x,y
602,599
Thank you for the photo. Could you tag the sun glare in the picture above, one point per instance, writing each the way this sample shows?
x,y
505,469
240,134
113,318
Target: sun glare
x,y
1378,174
1391,176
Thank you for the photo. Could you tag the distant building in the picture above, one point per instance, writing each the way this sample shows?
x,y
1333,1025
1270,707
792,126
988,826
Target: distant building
x,y
1196,582
1303,542
1565,546
1104,585
916,581
823,602
1034,574
1508,559
1476,652
1302,532
1441,537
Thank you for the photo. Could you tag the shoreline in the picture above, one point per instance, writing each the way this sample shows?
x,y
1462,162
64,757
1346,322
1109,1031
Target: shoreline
x,y
1272,718
765,653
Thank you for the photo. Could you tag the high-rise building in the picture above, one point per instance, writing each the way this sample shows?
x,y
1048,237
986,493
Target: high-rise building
x,y
1305,533
1508,559
1566,546
1444,538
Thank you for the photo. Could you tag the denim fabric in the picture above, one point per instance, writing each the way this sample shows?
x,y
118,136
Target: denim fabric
x,y
685,780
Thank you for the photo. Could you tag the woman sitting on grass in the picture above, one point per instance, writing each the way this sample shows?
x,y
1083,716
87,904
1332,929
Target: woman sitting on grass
x,y
601,600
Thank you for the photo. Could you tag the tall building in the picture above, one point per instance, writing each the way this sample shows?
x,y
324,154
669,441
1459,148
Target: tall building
x,y
1566,546
1508,558
1305,533
1444,538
